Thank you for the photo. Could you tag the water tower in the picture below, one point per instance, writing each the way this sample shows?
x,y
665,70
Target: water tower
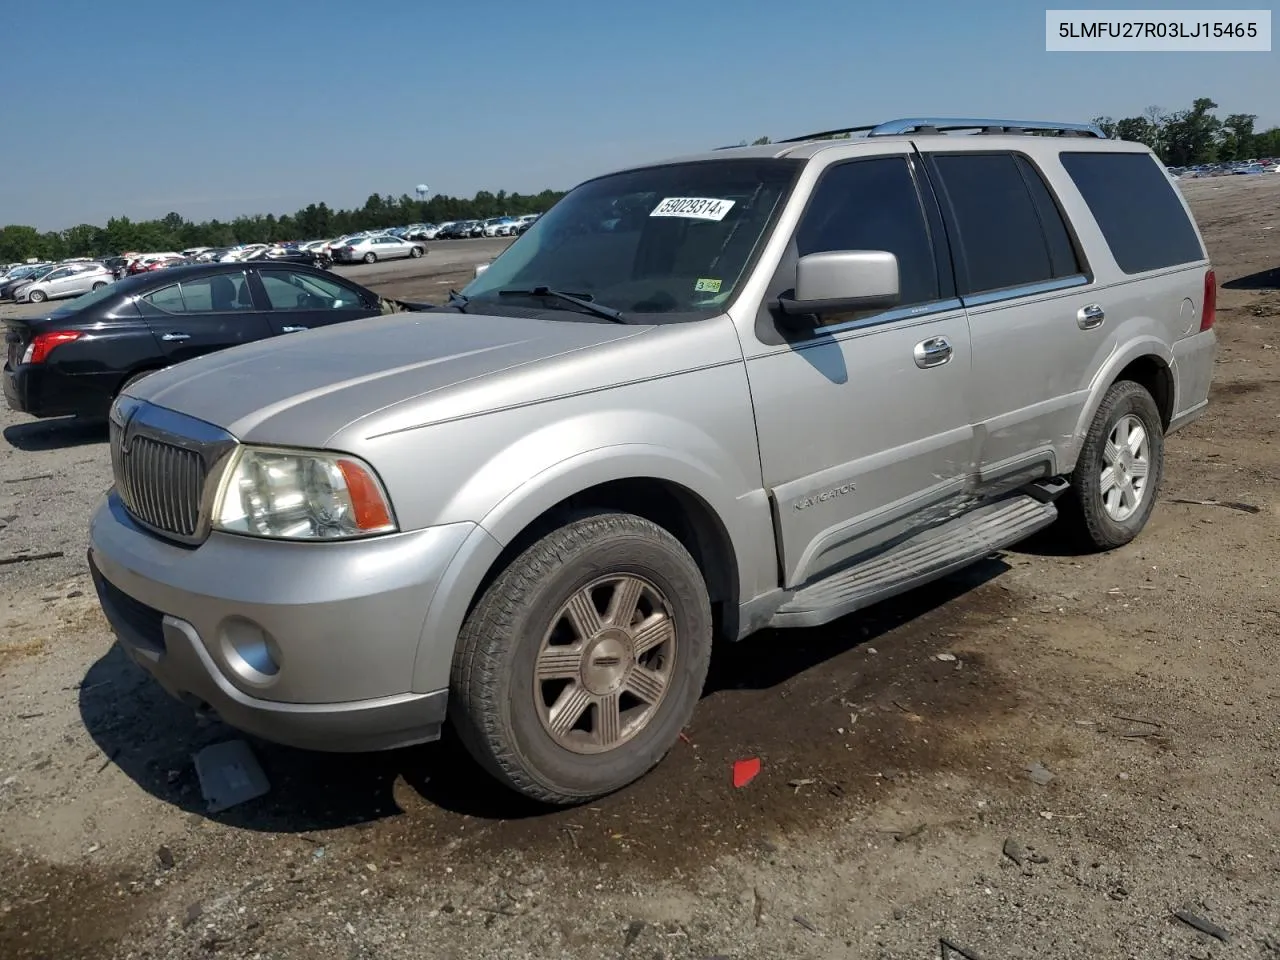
x,y
422,190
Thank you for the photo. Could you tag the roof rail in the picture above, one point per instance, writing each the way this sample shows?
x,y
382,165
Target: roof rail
x,y
938,125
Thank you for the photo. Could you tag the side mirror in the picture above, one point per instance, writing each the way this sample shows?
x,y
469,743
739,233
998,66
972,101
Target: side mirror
x,y
481,268
842,281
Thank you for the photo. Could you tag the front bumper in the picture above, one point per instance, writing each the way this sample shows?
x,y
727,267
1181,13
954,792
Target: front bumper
x,y
307,644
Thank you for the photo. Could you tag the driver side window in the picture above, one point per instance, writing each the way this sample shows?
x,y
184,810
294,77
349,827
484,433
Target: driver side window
x,y
873,204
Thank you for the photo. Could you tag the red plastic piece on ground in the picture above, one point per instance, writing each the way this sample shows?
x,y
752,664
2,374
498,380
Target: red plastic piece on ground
x,y
744,771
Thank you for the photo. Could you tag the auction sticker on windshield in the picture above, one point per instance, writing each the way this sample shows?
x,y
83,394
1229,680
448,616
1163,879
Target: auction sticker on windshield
x,y
693,208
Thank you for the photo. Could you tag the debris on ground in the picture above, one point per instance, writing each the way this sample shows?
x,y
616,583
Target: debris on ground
x,y
744,771
1014,851
634,929
806,924
950,951
1039,774
945,657
229,775
1204,926
1229,504
165,856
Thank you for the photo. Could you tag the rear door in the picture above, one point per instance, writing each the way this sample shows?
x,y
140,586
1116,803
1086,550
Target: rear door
x,y
203,314
299,300
1033,306
81,281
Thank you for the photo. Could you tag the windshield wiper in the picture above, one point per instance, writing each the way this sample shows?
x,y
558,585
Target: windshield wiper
x,y
457,300
581,302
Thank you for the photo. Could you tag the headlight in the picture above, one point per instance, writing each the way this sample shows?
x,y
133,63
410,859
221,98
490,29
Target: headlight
x,y
292,495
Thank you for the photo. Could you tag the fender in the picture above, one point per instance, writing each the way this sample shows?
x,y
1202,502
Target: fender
x,y
1142,346
746,519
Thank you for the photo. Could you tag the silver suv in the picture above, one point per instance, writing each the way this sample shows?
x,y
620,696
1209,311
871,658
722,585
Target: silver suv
x,y
763,386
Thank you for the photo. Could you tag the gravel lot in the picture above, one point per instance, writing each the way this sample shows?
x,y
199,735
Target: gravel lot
x,y
904,799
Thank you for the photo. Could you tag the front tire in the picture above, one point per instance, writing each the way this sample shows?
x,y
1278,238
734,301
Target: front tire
x,y
416,252
1117,476
37,296
583,660
99,285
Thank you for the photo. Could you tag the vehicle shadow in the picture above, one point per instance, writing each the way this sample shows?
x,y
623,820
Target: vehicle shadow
x,y
152,737
1262,280
55,434
1051,542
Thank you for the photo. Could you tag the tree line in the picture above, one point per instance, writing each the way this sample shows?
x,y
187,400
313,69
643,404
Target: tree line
x,y
1182,138
317,221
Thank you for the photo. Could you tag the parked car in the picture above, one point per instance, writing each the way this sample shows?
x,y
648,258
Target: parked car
x,y
768,387
66,280
373,249
497,227
77,359
151,261
305,255
422,231
463,229
19,276
523,223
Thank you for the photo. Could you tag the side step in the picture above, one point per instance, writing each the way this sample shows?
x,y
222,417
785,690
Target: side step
x,y
916,561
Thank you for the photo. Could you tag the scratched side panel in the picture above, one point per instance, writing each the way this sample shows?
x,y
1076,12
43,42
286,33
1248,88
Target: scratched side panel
x,y
857,443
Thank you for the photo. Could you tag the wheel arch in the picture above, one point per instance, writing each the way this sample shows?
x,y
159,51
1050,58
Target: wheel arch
x,y
1148,362
679,496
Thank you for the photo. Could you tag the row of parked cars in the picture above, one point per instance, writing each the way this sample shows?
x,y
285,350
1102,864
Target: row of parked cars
x,y
468,229
38,282
1228,168
41,281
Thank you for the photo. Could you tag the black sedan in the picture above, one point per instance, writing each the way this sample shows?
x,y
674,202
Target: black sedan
x,y
77,358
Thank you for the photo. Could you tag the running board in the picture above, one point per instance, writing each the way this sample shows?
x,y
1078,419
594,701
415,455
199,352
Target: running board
x,y
916,561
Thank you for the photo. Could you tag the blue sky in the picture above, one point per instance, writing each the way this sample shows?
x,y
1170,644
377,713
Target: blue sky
x,y
245,106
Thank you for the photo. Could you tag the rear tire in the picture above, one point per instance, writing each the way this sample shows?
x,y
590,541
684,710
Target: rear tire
x,y
1117,476
99,285
370,258
604,620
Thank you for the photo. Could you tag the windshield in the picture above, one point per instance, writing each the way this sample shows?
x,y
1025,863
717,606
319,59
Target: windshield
x,y
668,239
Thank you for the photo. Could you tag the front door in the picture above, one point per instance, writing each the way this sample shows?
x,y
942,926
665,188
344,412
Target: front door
x,y
300,300
205,314
863,422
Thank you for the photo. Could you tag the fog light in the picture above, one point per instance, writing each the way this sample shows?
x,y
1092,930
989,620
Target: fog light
x,y
250,651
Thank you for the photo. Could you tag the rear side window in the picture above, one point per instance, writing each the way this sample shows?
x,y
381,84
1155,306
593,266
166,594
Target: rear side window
x,y
1008,228
1137,209
873,205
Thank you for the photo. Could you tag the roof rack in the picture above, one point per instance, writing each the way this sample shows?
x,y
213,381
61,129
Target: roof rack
x,y
938,125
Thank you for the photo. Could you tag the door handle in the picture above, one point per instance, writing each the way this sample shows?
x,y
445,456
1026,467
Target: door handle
x,y
933,352
291,329
175,336
1090,315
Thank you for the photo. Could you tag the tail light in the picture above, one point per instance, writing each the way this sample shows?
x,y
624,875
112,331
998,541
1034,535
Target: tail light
x,y
1209,308
43,344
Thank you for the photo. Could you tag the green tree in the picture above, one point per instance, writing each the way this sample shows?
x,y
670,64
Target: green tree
x,y
1190,135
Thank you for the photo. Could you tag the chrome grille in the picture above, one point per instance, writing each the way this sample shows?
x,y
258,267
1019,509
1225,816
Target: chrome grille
x,y
161,484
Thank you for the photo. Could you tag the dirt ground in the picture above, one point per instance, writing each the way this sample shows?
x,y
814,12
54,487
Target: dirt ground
x,y
1095,751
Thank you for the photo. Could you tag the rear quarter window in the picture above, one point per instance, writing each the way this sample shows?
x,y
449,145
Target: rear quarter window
x,y
1137,208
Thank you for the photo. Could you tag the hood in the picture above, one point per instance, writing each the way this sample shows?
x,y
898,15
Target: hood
x,y
301,389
